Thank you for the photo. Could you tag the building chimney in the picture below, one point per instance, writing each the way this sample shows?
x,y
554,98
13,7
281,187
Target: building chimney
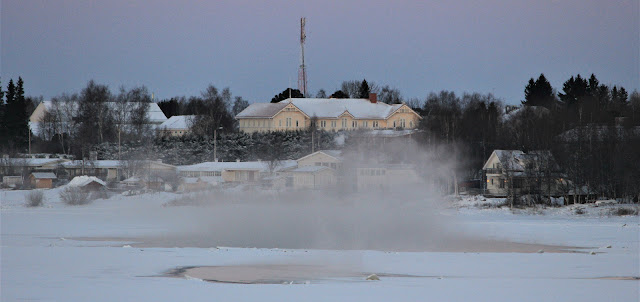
x,y
93,155
373,98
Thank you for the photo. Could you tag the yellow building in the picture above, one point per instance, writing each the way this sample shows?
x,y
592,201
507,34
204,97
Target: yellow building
x,y
329,114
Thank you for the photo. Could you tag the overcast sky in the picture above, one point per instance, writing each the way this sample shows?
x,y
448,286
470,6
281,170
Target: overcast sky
x,y
177,48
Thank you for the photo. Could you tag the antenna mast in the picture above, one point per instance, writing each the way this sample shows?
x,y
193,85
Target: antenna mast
x,y
302,72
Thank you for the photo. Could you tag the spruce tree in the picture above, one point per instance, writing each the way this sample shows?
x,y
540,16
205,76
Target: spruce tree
x,y
539,93
22,116
364,91
3,120
8,114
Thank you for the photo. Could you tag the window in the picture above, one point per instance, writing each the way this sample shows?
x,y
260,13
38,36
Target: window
x,y
280,123
411,124
354,124
365,124
296,123
375,124
344,123
288,122
323,124
334,124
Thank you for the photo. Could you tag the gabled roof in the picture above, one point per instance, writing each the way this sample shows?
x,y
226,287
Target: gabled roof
x,y
81,181
43,175
502,155
177,122
516,160
324,108
261,110
337,154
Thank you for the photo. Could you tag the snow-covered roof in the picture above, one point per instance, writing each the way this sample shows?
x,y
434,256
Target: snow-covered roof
x,y
30,162
177,122
81,181
101,163
44,175
262,110
132,179
516,160
261,166
324,108
337,154
333,153
155,114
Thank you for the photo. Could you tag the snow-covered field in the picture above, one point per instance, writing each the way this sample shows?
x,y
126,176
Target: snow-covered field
x,y
120,249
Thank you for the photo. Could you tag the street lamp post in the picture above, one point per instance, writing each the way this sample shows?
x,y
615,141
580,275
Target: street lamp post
x,y
215,143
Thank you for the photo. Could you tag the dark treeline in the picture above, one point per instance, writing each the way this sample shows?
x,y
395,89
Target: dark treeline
x,y
591,128
14,107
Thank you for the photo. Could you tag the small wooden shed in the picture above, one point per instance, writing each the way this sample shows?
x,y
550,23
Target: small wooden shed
x,y
42,180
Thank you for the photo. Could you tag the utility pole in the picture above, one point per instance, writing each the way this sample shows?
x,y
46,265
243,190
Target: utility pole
x,y
215,143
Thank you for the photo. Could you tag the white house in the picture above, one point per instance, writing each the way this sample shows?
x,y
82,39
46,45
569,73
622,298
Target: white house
x,y
523,173
244,172
177,125
154,114
327,158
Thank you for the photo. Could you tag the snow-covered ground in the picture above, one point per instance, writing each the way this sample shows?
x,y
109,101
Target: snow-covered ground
x,y
90,253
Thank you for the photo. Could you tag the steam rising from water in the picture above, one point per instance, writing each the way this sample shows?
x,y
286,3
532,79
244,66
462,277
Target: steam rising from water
x,y
382,220
399,217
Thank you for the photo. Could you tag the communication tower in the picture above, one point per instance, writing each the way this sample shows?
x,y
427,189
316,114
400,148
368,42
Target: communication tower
x,y
302,72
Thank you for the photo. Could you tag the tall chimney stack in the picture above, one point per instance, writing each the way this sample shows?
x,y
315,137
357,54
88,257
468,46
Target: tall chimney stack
x,y
373,98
